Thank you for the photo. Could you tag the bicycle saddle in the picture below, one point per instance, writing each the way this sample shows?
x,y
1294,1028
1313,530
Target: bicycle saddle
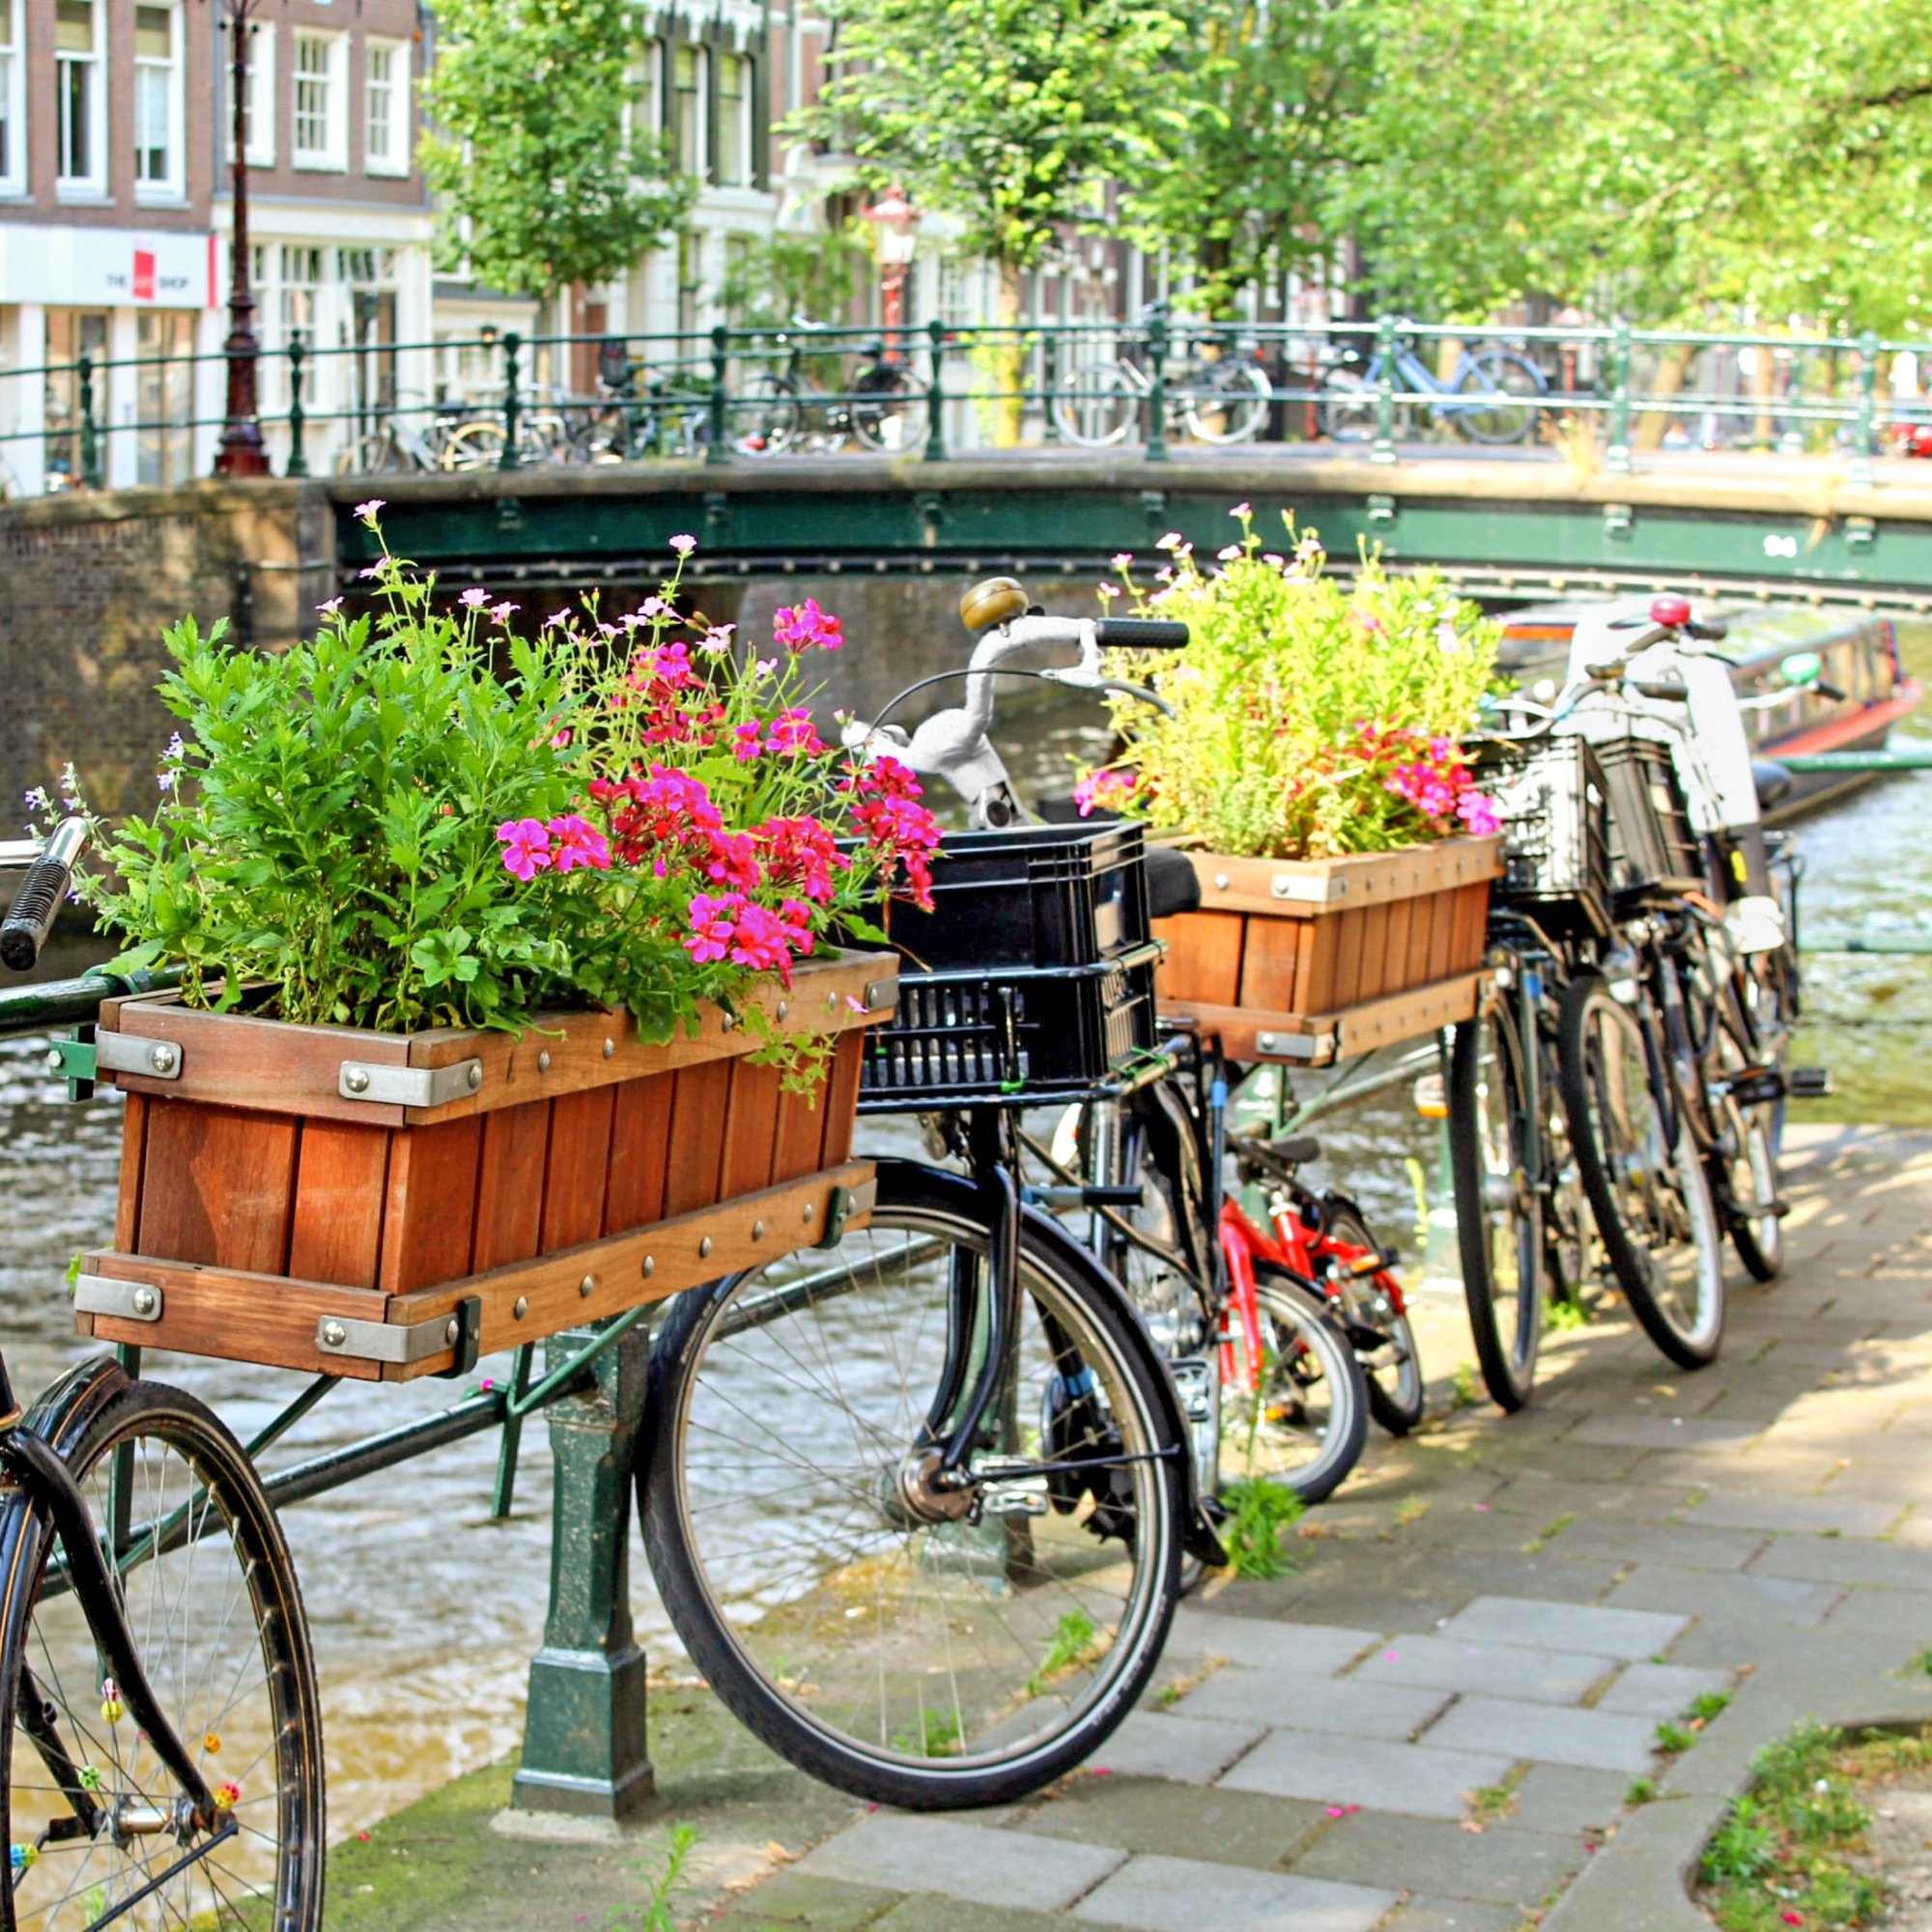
x,y
1295,1150
1774,782
1171,884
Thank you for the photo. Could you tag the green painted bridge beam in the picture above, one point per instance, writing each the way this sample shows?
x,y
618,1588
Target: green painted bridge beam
x,y
1919,761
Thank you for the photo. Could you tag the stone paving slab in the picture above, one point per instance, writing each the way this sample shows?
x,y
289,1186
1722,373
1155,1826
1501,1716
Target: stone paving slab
x,y
1718,1593
1661,1689
970,1862
1350,1707
1191,1751
1149,1814
1442,1664
1455,1915
1258,1643
1845,1515
1548,1733
1418,1780
1542,1626
1161,1894
1502,1864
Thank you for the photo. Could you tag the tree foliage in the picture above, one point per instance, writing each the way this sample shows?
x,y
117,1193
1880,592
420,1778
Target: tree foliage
x,y
537,181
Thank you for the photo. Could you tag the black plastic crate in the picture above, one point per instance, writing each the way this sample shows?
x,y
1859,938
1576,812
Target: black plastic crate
x,y
1031,979
1651,845
1553,799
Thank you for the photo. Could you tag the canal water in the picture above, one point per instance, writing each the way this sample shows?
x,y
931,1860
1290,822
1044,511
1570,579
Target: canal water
x,y
426,1612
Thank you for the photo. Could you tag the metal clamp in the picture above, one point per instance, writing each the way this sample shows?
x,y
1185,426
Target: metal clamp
x,y
128,1052
882,994
394,1342
124,1300
845,1202
409,1086
1291,1045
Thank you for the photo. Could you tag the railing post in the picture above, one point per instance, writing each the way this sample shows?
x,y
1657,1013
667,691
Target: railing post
x,y
584,1743
89,441
510,457
1617,457
1865,445
297,416
935,392
1156,442
1385,341
716,447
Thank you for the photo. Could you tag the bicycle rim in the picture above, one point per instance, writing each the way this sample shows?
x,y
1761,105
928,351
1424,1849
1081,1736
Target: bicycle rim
x,y
1225,402
1498,1215
1383,1341
1098,407
1512,395
915,1662
1346,409
1303,1423
217,1620
891,417
1652,1200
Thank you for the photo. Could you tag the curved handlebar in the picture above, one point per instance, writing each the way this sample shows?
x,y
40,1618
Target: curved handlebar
x,y
1139,633
31,918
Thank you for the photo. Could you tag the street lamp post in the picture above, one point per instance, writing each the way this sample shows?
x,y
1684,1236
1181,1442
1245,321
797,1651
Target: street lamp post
x,y
895,235
242,453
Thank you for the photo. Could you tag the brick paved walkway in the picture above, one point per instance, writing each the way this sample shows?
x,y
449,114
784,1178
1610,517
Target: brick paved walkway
x,y
1435,1726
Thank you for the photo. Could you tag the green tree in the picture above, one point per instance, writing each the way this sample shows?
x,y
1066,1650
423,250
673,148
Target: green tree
x,y
538,181
1250,129
1008,114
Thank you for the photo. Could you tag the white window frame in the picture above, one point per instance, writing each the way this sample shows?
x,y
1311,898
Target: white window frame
x,y
333,156
13,96
261,85
173,185
645,94
740,163
94,183
698,167
398,160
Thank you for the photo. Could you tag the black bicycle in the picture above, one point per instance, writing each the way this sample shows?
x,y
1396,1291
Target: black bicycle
x,y
787,410
161,1736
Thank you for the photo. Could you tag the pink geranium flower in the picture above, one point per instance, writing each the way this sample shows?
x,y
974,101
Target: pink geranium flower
x,y
578,843
526,846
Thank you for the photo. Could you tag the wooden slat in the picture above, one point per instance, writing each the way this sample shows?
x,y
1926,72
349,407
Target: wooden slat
x,y
133,1161
1272,968
431,1205
336,1229
509,1185
639,1151
1396,1016
1441,937
1203,956
236,1315
750,1128
1396,944
841,1100
1372,965
696,1139
578,1167
1318,885
1346,949
1471,928
216,1184
800,1135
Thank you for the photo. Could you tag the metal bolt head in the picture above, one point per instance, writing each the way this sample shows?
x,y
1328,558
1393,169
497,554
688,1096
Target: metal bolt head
x,y
477,1076
757,1231
650,1266
1265,1042
54,1062
356,1079
610,1049
704,1248
163,1057
587,1285
521,1307
334,1334
543,1060
831,1002
143,1300
785,1008
809,1210
452,1328
1221,882
729,1021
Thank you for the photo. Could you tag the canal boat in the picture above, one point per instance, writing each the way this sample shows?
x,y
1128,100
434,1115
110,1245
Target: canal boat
x,y
1861,692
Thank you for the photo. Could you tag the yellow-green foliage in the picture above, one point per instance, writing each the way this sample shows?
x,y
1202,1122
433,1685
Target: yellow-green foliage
x,y
1267,753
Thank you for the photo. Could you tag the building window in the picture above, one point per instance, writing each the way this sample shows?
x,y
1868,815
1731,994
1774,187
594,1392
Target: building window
x,y
82,92
321,120
734,121
12,103
644,123
688,106
300,280
258,96
387,109
158,116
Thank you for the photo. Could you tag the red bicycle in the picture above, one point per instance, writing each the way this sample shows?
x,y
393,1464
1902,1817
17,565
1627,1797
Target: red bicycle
x,y
1324,1239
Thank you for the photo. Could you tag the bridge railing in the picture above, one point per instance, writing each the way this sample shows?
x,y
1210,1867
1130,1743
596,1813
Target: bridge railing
x,y
1602,397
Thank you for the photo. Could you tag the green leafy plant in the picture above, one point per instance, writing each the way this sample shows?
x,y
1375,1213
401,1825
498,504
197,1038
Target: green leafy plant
x,y
425,818
1708,1704
1308,721
1076,1643
659,1911
1259,1511
1463,1388
1639,1791
1563,1315
1673,1738
937,1734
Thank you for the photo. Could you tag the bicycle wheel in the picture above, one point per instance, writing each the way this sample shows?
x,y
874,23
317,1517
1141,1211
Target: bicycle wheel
x,y
1652,1201
1499,1214
376,454
1378,1326
1346,406
1305,1424
211,1596
912,1660
478,444
1748,1135
1098,407
1500,377
1224,402
889,410
764,416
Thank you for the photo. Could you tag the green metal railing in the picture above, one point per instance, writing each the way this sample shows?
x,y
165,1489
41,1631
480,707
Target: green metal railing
x,y
1607,392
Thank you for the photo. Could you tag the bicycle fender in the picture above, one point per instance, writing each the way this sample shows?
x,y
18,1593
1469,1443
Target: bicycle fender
x,y
64,1408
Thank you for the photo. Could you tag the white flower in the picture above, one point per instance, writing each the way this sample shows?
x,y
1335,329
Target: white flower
x,y
1173,540
1228,553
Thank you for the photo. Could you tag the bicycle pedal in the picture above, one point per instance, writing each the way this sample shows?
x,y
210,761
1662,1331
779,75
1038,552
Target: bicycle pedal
x,y
1756,1086
1809,1083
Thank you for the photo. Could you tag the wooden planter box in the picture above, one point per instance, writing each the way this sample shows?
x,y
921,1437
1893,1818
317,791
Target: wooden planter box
x,y
387,1206
1306,961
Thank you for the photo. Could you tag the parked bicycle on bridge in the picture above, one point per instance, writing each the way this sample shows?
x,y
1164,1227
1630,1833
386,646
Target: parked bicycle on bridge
x,y
1489,395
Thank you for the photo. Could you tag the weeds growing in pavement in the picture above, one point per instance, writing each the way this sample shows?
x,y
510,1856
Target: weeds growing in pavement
x,y
1261,1511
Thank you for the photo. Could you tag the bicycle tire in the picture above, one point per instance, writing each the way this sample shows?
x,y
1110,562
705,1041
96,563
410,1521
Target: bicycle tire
x,y
376,454
1309,1344
1748,1149
769,1625
54,1708
765,416
1643,1193
1226,402
890,412
1392,1365
1098,407
1345,407
1498,1217
1502,373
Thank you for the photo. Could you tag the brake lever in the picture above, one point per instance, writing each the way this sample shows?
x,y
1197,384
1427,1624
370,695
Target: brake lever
x,y
1079,678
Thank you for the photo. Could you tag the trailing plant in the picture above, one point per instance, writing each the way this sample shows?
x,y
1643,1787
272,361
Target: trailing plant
x,y
425,816
1309,721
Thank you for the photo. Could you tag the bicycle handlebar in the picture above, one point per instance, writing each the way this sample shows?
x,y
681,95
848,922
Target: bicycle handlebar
x,y
31,916
1139,633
